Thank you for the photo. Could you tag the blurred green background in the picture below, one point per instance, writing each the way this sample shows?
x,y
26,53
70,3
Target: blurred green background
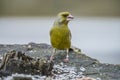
x,y
52,7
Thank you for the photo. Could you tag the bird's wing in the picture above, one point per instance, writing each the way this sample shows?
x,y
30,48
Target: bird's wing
x,y
70,35
51,31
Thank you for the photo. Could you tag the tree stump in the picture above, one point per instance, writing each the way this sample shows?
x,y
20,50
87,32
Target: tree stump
x,y
18,62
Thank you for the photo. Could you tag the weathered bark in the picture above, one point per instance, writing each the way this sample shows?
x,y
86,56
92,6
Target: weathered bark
x,y
18,62
82,63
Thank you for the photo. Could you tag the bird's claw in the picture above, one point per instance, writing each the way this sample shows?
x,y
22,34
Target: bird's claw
x,y
66,60
51,58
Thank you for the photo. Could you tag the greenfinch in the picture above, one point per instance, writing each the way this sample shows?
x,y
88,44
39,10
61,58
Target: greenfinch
x,y
60,35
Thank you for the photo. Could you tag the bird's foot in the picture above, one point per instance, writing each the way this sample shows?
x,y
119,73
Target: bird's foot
x,y
66,60
51,58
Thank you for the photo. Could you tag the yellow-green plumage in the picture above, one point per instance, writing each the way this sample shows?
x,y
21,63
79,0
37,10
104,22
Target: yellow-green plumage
x,y
60,35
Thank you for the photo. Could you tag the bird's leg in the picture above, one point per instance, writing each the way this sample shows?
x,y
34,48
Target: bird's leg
x,y
67,56
52,56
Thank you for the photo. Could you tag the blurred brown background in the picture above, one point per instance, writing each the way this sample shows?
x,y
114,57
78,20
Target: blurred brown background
x,y
52,7
95,29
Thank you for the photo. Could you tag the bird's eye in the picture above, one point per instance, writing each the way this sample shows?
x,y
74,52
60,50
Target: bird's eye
x,y
65,15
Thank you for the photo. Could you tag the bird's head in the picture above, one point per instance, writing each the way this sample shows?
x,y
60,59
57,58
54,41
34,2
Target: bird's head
x,y
64,17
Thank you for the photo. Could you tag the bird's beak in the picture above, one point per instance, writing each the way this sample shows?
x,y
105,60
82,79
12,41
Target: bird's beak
x,y
70,17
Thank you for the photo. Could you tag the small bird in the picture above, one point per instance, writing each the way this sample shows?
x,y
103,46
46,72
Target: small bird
x,y
60,35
